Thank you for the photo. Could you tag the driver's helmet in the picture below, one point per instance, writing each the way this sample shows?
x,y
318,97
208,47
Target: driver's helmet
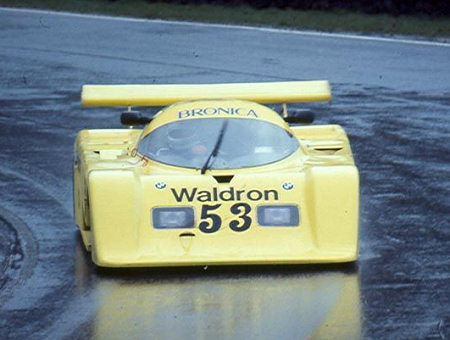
x,y
182,137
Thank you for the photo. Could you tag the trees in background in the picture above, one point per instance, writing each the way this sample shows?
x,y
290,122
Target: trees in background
x,y
394,7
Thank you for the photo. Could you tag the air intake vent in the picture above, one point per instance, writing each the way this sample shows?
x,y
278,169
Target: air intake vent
x,y
328,151
223,179
326,147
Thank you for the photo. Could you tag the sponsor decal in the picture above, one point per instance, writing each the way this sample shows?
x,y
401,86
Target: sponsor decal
x,y
242,215
226,195
217,111
288,185
160,185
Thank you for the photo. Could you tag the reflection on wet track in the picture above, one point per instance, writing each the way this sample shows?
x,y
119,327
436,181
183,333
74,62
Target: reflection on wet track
x,y
270,303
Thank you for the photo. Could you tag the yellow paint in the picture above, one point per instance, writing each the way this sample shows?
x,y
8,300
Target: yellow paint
x,y
115,191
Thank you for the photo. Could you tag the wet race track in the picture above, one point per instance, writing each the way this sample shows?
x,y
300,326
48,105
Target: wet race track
x,y
393,99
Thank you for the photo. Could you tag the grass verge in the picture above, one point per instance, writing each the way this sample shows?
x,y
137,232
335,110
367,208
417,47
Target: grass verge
x,y
334,21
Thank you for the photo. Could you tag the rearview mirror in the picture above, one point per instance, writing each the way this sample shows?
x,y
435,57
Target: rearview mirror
x,y
300,117
132,118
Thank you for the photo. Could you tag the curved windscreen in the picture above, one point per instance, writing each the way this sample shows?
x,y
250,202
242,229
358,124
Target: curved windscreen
x,y
228,143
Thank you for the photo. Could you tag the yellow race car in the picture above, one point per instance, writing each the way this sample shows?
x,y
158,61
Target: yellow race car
x,y
215,178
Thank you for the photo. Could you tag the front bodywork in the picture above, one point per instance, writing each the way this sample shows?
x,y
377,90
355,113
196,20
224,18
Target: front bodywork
x,y
116,189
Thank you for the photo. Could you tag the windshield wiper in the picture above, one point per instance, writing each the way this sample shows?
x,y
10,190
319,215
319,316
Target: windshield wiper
x,y
216,148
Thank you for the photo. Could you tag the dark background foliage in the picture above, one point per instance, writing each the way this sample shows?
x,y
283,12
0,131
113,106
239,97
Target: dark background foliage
x,y
394,7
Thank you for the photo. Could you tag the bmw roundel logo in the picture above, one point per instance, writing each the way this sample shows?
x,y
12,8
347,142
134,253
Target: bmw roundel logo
x,y
288,185
160,185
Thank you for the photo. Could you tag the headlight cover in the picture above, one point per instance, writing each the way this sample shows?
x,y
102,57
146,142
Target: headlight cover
x,y
173,217
278,215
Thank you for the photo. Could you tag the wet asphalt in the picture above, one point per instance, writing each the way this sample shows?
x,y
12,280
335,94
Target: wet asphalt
x,y
393,99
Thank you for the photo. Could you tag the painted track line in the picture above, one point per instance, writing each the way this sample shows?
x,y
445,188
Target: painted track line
x,y
239,27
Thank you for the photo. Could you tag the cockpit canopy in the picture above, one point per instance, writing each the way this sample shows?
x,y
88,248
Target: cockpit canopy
x,y
244,143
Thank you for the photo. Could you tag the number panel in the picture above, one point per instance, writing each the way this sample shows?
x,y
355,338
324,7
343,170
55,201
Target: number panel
x,y
211,222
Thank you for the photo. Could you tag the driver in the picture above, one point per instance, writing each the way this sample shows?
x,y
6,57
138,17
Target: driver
x,y
185,141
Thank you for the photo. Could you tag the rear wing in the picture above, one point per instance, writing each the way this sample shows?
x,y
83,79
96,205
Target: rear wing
x,y
162,95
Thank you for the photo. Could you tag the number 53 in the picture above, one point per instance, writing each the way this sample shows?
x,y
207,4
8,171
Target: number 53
x,y
212,222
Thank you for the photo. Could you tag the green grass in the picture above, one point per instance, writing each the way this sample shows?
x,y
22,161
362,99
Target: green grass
x,y
334,21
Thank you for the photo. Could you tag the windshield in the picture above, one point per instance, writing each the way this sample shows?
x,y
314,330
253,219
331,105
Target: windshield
x,y
245,143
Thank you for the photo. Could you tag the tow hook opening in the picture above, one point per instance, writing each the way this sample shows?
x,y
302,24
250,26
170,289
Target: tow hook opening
x,y
187,235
